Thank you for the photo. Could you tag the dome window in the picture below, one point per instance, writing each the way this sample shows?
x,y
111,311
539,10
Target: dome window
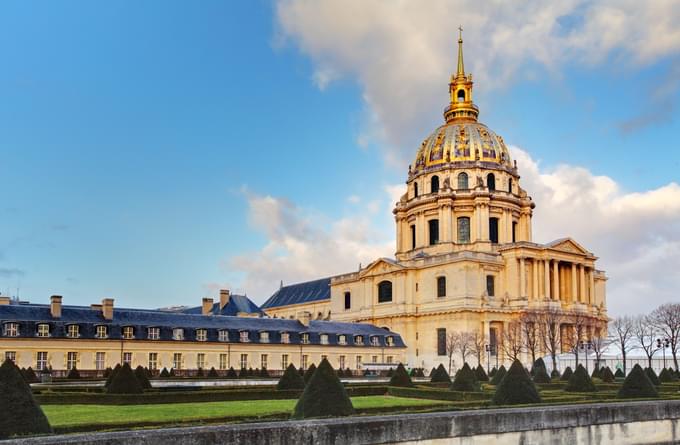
x,y
493,230
491,182
510,185
433,225
462,181
463,229
434,184
461,95
415,189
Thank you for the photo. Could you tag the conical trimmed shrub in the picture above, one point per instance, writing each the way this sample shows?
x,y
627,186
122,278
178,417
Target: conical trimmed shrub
x,y
21,414
213,373
164,373
29,375
481,374
401,378
596,374
231,374
671,372
432,373
493,372
566,375
516,388
125,382
555,374
619,374
112,374
607,375
496,379
291,379
539,363
580,381
465,380
264,373
309,373
172,372
107,372
142,378
73,374
652,376
664,376
440,375
541,375
637,385
324,396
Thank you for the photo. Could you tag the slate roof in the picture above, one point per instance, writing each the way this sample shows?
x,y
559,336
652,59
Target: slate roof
x,y
236,304
29,315
306,292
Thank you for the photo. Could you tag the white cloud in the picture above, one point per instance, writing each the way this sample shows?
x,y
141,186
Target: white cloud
x,y
400,52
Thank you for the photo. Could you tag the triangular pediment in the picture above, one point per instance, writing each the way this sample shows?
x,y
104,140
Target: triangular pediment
x,y
381,266
568,245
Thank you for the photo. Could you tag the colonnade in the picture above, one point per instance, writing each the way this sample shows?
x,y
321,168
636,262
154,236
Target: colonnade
x,y
578,285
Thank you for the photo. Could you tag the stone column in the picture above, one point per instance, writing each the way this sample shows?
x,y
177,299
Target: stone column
x,y
556,281
582,284
420,230
522,278
400,235
546,279
574,288
484,221
591,299
534,267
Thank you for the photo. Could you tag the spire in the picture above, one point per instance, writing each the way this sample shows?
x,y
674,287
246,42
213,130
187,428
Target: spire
x,y
461,68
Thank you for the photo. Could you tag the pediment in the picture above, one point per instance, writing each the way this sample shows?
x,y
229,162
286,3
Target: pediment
x,y
568,245
382,266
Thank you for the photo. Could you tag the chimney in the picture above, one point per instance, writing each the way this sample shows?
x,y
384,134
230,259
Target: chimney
x,y
224,298
55,306
107,308
4,300
206,308
304,317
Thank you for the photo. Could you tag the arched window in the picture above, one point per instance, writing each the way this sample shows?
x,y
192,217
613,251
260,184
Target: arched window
x,y
510,185
433,225
415,189
461,95
462,181
441,287
434,184
491,181
463,229
384,291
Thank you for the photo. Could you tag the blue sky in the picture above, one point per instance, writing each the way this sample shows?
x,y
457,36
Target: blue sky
x,y
137,139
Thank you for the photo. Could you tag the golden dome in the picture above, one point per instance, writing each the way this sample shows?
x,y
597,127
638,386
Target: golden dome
x,y
461,138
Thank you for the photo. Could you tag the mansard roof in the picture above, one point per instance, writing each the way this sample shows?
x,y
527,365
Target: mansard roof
x,y
30,315
299,293
237,304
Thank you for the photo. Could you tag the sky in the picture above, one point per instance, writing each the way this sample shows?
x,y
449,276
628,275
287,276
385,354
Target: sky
x,y
155,152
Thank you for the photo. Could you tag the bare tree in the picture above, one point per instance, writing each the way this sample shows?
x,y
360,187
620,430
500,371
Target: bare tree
x,y
549,325
477,346
600,344
531,333
512,343
465,345
452,345
576,333
643,330
622,331
667,320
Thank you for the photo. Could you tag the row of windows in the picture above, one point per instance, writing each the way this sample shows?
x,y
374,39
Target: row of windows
x,y
463,183
385,289
463,230
72,360
12,330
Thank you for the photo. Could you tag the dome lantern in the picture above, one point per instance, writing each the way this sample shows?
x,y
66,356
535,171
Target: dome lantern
x,y
461,108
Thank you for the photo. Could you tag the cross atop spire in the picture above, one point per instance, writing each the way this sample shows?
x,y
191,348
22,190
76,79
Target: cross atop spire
x,y
461,67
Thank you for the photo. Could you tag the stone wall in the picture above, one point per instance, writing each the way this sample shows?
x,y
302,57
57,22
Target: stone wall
x,y
654,422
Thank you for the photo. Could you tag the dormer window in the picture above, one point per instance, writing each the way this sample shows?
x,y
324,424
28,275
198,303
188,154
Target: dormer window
x,y
342,339
358,339
128,332
201,334
154,333
101,332
264,337
73,331
285,337
244,337
324,339
223,335
304,338
178,334
11,330
43,330
375,341
389,340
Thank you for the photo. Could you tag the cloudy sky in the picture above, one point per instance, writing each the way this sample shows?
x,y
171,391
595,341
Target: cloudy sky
x,y
156,151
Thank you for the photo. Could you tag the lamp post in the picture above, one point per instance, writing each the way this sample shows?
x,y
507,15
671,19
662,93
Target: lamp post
x,y
663,344
586,346
488,357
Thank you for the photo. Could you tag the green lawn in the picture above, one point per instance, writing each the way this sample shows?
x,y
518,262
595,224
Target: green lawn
x,y
74,415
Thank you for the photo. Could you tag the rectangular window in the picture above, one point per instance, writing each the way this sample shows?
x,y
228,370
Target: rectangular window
x,y
359,360
43,330
389,359
493,230
374,359
263,361
441,341
128,332
177,360
223,335
389,340
384,291
348,301
284,361
441,287
375,341
73,331
154,333
71,360
433,226
359,340
101,332
244,361
490,285
243,336
514,232
100,361
11,355
200,360
304,338
201,334
413,236
285,337
463,230
341,361
223,361
178,334
305,360
324,339
11,330
41,360
153,360
264,337
127,358
342,339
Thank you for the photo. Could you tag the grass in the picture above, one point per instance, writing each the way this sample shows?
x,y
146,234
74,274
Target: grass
x,y
110,415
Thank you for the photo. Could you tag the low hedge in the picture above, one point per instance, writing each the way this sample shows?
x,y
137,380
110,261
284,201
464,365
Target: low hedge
x,y
419,393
